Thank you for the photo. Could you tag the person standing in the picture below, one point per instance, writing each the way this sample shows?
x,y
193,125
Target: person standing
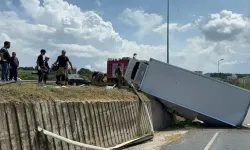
x,y
46,69
41,66
118,74
14,64
62,72
5,59
134,56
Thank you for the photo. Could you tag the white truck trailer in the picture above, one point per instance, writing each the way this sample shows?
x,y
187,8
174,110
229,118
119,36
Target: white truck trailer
x,y
189,94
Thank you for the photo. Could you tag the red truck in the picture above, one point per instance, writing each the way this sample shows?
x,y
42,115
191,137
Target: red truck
x,y
112,64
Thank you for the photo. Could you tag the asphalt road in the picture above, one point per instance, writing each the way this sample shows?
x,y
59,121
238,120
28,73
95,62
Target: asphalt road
x,y
213,139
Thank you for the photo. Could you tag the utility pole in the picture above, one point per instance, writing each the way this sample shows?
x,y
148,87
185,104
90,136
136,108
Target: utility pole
x,y
219,65
168,34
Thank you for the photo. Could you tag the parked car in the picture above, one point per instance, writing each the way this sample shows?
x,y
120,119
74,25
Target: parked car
x,y
76,79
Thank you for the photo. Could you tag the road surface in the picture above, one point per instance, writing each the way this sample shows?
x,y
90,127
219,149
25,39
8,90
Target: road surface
x,y
216,139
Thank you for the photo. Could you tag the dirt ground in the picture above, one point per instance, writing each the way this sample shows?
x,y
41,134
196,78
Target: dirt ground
x,y
23,92
160,139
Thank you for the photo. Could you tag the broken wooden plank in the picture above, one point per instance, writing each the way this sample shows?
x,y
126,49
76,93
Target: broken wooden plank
x,y
54,124
108,120
94,124
73,123
84,121
132,114
130,119
138,114
100,125
121,121
4,131
67,124
89,123
30,119
23,127
62,128
112,116
16,143
118,122
103,124
39,122
126,116
79,123
47,124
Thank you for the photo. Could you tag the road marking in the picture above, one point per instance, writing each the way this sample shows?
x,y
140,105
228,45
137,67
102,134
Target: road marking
x,y
211,141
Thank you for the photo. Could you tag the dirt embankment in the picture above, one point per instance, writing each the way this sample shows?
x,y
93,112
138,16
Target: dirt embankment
x,y
34,93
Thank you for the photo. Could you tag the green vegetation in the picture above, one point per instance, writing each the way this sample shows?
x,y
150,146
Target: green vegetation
x,y
225,75
85,73
245,86
26,74
236,83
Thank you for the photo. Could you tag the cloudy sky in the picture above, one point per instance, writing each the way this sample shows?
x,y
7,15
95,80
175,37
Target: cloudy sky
x,y
201,32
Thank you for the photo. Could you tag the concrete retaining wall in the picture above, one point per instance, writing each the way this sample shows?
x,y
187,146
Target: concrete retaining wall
x,y
97,123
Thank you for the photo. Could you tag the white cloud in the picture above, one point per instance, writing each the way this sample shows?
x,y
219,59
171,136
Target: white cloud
x,y
225,25
88,67
89,40
224,35
57,25
173,27
139,18
149,24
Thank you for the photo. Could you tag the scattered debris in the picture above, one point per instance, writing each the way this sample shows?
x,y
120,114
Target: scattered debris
x,y
110,87
196,120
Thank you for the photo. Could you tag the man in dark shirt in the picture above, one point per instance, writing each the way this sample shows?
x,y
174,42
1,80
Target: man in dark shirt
x,y
62,72
46,69
14,64
41,65
5,59
118,74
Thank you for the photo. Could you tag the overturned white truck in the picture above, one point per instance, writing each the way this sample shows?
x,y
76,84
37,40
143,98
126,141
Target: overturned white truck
x,y
189,94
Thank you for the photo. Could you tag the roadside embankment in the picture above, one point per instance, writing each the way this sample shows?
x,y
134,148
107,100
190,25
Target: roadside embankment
x,y
32,93
91,115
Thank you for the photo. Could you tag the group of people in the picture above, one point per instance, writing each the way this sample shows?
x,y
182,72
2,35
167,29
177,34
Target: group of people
x,y
8,63
61,67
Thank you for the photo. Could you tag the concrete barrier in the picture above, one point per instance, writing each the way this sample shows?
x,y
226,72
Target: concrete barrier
x,y
103,124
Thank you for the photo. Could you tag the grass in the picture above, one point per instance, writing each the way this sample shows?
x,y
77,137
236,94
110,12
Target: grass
x,y
245,86
32,93
26,75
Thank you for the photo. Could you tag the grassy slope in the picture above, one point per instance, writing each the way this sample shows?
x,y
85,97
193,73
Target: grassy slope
x,y
32,93
26,75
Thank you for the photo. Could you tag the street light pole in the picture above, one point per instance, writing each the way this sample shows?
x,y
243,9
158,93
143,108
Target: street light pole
x,y
168,34
219,65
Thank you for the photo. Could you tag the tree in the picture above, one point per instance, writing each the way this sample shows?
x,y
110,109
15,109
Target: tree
x,y
85,73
